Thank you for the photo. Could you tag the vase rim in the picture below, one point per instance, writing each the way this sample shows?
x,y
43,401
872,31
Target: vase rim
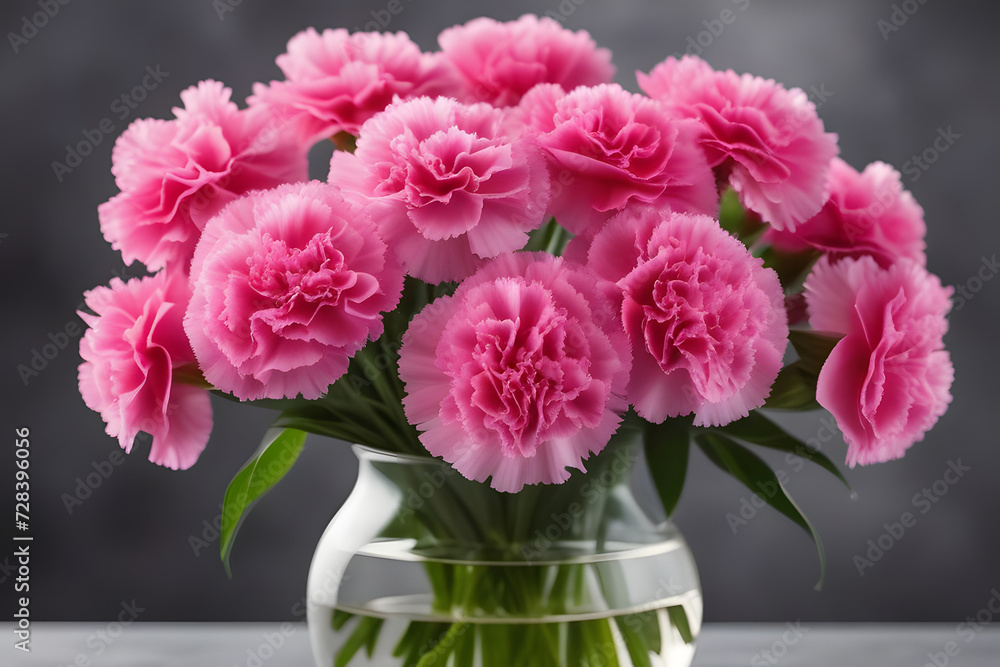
x,y
368,453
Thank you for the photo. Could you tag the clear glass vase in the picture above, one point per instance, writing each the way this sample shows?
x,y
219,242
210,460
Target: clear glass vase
x,y
423,567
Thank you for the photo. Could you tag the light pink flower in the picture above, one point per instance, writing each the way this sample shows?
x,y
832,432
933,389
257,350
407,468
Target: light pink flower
x,y
705,319
288,283
500,62
519,375
608,148
867,214
336,80
767,141
135,359
446,184
888,380
176,174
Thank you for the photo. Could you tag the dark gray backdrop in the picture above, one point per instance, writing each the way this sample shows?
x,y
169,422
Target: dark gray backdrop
x,y
887,92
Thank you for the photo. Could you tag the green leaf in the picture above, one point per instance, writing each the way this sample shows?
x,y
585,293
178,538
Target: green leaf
x,y
345,141
759,430
679,619
540,238
277,453
794,389
792,267
373,634
443,648
757,476
734,219
365,634
465,648
645,629
599,643
667,446
813,347
339,618
635,641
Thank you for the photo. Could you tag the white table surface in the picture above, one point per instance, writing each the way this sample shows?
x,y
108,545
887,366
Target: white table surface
x,y
720,645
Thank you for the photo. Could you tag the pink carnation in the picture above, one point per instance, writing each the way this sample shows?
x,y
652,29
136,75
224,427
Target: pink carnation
x,y
337,80
500,62
176,174
136,357
519,375
288,283
608,148
767,141
867,214
888,380
705,319
446,184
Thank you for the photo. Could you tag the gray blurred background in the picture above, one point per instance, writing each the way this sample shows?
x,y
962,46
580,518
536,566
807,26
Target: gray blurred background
x,y
888,92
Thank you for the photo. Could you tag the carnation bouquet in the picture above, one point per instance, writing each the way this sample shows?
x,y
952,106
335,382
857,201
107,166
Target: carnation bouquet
x,y
511,263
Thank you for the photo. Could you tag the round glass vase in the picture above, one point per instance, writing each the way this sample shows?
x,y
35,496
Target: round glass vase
x,y
424,567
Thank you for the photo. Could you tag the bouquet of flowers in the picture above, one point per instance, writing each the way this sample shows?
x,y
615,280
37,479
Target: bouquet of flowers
x,y
511,262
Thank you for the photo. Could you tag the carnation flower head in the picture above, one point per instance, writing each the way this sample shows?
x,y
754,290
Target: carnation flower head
x,y
868,213
518,375
336,80
705,319
888,380
288,284
446,183
135,359
608,148
501,61
176,174
765,140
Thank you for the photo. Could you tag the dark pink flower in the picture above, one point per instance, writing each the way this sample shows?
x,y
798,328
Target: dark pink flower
x,y
446,184
765,140
867,214
288,284
608,148
176,174
705,319
136,359
500,62
888,380
519,375
336,80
